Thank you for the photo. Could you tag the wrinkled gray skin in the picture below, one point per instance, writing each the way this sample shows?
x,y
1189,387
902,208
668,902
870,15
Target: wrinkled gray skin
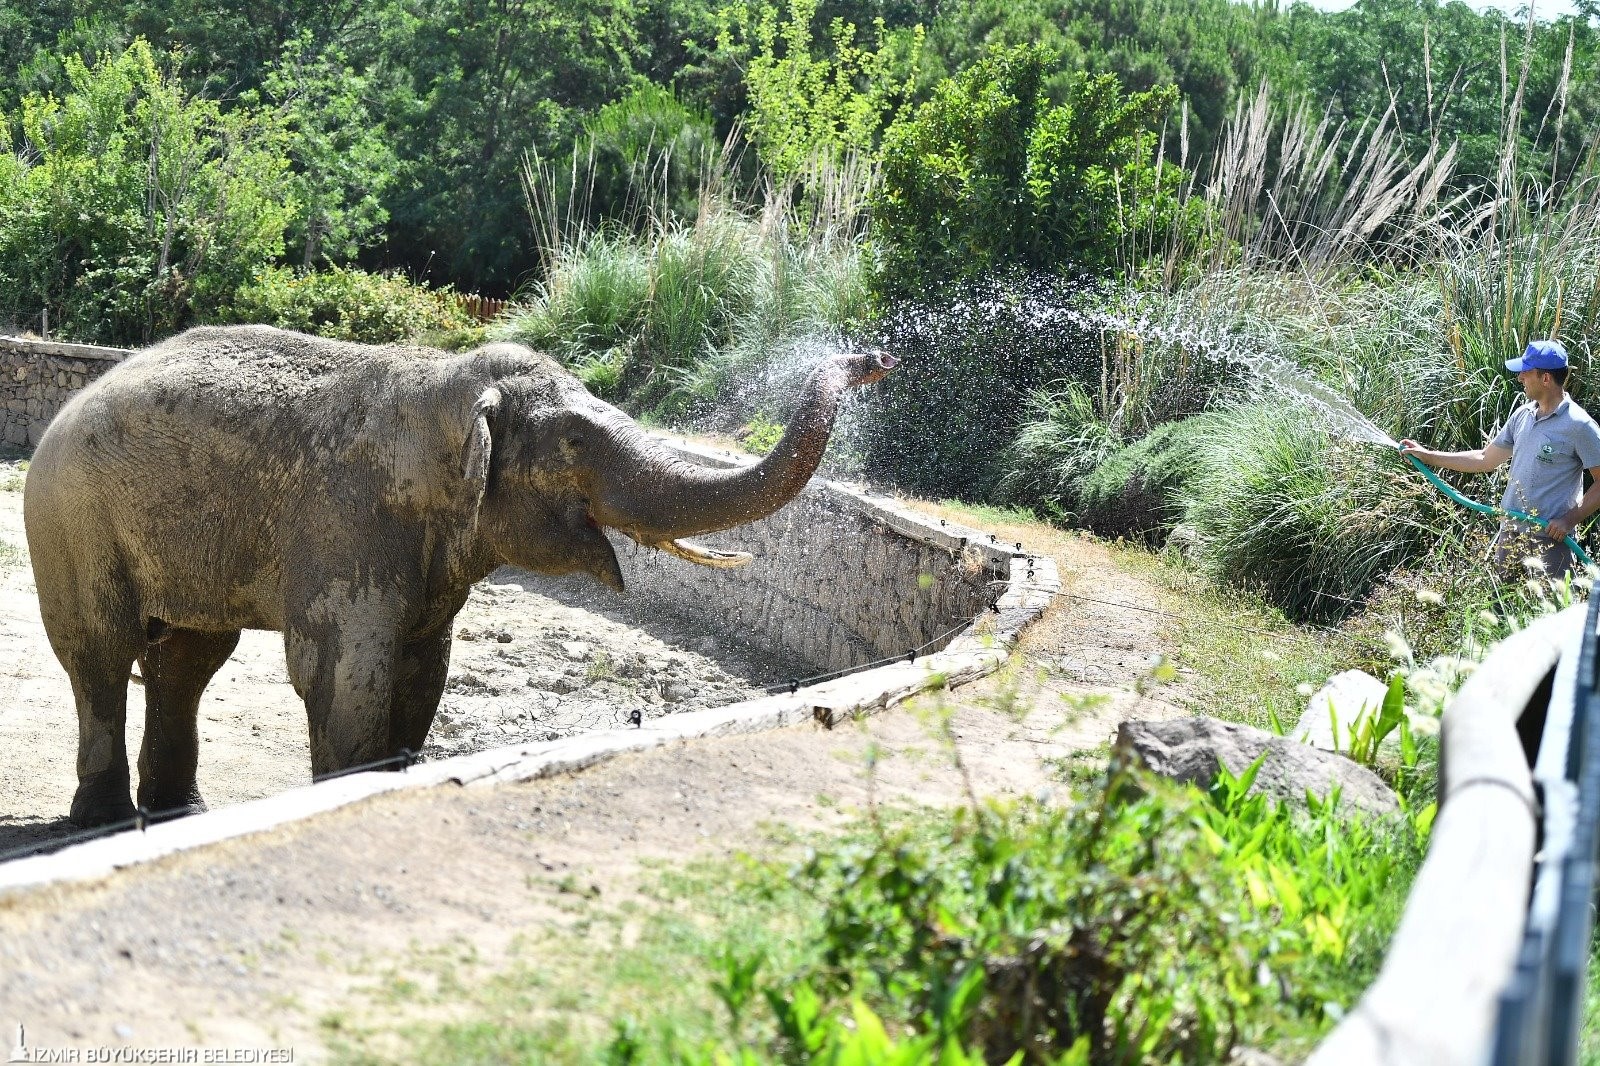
x,y
347,496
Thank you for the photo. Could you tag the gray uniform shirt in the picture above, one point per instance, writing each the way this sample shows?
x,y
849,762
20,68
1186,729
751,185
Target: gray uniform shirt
x,y
1549,454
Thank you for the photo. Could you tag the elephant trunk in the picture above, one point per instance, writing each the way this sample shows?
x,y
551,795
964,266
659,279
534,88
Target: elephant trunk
x,y
664,497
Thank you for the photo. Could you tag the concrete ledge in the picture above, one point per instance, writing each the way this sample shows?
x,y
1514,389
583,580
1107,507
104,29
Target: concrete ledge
x,y
31,346
980,649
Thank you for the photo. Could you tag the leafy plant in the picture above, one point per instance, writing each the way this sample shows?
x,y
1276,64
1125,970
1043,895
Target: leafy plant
x,y
988,175
1367,733
129,207
344,304
760,435
807,103
1040,932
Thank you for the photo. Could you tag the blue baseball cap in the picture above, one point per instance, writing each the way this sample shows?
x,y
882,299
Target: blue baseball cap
x,y
1541,355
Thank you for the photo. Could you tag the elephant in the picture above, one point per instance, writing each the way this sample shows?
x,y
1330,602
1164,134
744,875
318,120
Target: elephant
x,y
347,496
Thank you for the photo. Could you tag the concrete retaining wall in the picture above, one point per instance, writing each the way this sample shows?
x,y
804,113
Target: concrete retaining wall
x,y
37,377
840,578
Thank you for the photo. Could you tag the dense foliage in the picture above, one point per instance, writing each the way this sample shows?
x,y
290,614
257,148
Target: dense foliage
x,y
988,175
1035,933
129,207
411,118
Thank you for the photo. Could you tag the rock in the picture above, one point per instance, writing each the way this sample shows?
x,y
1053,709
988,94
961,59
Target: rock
x,y
1190,749
677,691
560,684
1248,1056
1349,695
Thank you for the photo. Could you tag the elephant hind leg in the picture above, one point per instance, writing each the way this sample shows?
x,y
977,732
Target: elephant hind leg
x,y
98,669
177,666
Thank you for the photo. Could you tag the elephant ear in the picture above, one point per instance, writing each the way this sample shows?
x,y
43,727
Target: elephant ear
x,y
475,463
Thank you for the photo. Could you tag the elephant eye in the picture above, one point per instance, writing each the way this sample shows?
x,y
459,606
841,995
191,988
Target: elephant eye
x,y
574,442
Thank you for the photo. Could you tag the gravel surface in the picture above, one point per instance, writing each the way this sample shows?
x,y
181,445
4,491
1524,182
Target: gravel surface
x,y
538,659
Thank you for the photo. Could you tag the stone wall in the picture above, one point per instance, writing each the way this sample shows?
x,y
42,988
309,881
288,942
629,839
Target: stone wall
x,y
37,377
840,578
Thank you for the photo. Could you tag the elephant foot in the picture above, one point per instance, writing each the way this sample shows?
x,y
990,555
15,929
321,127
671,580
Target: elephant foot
x,y
163,805
102,799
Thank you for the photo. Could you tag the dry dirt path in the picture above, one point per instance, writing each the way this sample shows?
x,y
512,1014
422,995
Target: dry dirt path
x,y
252,943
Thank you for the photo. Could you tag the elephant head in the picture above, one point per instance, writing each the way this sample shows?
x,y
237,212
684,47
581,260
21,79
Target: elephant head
x,y
557,467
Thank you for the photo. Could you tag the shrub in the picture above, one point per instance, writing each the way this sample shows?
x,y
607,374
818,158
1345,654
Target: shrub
x,y
987,175
1063,442
129,209
1275,504
1142,923
350,305
1136,490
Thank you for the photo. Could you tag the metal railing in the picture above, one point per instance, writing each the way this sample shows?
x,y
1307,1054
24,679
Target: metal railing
x,y
1541,1009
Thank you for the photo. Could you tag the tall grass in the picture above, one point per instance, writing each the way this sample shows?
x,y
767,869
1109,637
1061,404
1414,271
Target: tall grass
x,y
680,315
1329,256
1275,505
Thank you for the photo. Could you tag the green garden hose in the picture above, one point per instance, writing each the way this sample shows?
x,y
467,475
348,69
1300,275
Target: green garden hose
x,y
1484,508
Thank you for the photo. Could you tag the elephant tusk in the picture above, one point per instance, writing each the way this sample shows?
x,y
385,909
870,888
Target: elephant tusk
x,y
703,556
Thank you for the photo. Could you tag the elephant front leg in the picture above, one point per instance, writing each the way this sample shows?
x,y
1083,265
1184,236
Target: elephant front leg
x,y
419,683
346,674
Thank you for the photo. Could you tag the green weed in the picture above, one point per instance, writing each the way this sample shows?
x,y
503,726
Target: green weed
x,y
11,555
760,435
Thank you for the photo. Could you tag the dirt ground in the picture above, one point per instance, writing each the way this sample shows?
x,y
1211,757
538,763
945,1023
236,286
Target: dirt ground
x,y
252,943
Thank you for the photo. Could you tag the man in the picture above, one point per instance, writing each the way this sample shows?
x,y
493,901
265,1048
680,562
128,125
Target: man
x,y
1550,441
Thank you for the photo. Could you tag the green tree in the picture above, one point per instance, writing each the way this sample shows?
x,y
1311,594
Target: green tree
x,y
490,82
807,101
648,152
343,163
129,208
989,175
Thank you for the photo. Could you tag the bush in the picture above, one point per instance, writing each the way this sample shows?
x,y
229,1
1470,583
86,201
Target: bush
x,y
1136,490
1063,442
941,424
1274,504
1143,923
987,175
1014,343
350,305
128,209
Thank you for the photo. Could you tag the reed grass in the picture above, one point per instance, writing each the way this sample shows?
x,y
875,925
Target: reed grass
x,y
684,316
1332,256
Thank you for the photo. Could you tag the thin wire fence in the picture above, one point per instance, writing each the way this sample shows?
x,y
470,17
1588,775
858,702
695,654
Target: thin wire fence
x,y
143,817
